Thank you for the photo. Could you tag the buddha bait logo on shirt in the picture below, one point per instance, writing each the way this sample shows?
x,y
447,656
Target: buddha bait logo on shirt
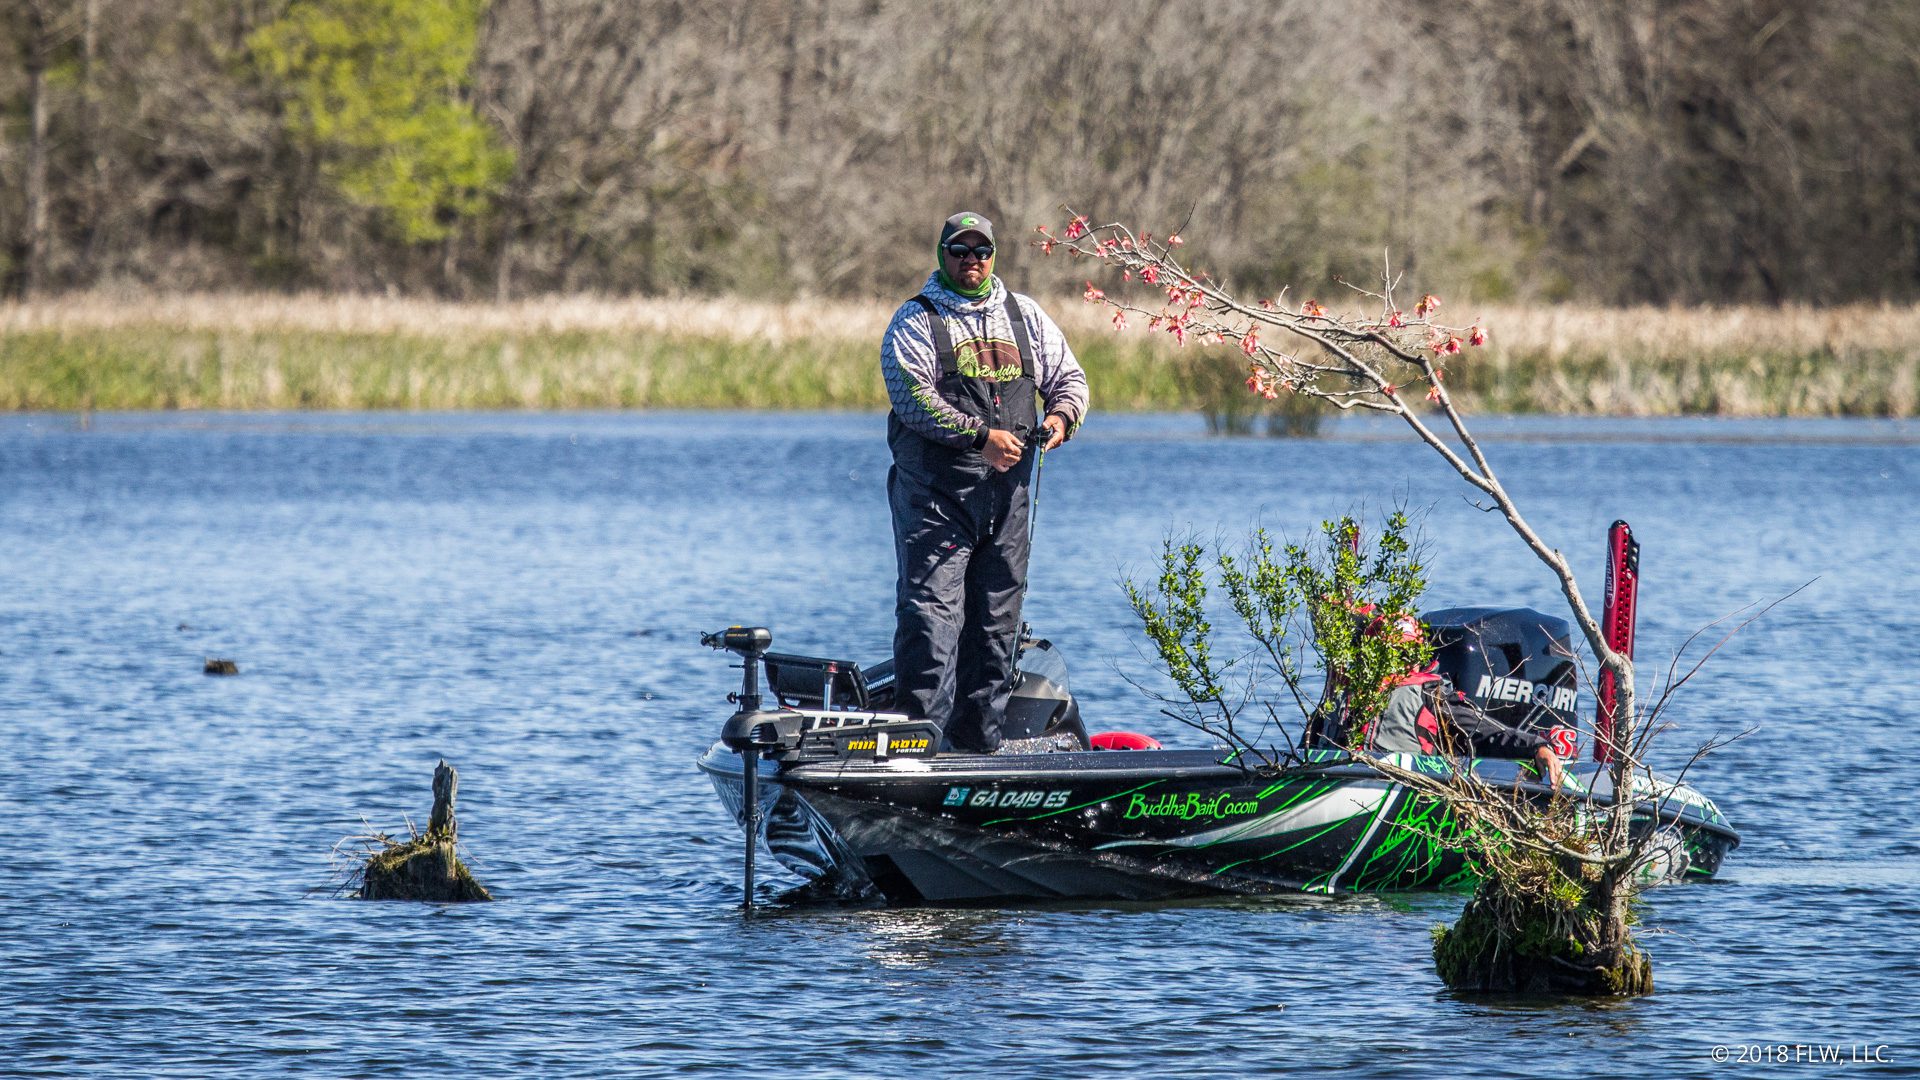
x,y
1559,698
991,359
1193,805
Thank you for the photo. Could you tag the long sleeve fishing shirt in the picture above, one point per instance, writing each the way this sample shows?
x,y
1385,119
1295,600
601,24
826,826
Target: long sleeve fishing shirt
x,y
911,364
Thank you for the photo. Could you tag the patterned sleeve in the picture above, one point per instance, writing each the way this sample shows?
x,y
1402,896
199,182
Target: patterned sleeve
x,y
911,366
1062,384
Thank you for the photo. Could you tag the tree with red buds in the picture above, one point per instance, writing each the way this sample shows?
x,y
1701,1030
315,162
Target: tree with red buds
x,y
1353,360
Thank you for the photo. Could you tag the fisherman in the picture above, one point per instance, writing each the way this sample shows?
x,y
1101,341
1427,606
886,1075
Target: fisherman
x,y
1424,714
981,382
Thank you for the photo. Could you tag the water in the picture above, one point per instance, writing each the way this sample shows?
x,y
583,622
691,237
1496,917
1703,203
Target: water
x,y
522,595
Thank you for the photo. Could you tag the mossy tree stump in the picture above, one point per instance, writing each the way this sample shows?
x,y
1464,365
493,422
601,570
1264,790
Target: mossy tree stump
x,y
1532,941
420,869
428,866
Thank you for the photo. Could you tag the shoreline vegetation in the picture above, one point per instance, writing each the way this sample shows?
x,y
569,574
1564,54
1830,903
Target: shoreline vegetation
x,y
109,352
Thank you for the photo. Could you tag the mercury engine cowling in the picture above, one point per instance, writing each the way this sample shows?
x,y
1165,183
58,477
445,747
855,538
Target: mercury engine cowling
x,y
1515,663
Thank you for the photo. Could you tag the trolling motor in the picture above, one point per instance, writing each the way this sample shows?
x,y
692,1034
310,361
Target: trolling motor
x,y
815,709
749,732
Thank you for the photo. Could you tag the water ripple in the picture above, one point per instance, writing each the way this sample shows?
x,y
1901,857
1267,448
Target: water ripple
x,y
521,595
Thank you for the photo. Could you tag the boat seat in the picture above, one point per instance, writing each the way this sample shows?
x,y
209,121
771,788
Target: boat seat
x,y
816,682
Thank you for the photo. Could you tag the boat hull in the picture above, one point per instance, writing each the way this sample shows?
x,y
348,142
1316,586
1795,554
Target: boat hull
x,y
1141,825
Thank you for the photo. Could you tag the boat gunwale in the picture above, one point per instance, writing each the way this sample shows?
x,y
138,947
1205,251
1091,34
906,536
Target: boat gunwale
x,y
1116,766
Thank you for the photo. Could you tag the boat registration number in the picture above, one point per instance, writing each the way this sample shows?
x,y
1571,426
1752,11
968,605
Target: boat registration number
x,y
1006,800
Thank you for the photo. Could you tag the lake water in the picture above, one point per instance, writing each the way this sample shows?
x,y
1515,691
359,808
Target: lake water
x,y
522,595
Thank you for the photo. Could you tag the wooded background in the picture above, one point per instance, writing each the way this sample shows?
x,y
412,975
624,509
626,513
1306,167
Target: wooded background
x,y
1606,151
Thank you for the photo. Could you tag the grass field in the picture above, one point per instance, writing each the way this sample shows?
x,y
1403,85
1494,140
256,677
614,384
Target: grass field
x,y
99,351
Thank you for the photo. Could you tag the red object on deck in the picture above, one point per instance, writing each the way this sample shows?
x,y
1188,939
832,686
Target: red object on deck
x,y
1124,740
1616,625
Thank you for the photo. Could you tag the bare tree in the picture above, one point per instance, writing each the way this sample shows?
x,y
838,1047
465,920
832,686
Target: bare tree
x,y
1388,360
41,27
1712,150
598,100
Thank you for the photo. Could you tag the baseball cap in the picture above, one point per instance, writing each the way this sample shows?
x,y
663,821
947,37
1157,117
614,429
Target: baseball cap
x,y
966,221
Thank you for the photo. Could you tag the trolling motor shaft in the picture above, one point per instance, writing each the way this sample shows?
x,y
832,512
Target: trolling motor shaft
x,y
747,732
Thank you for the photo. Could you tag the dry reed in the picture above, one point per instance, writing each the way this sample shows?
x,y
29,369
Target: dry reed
x,y
249,351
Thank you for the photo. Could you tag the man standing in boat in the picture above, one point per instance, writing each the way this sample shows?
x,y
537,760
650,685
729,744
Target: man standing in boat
x,y
981,382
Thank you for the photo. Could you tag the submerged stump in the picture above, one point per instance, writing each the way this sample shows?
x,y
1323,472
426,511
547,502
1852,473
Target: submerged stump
x,y
1521,942
420,869
428,866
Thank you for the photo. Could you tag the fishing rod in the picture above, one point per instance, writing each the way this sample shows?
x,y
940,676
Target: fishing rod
x,y
1033,517
1033,499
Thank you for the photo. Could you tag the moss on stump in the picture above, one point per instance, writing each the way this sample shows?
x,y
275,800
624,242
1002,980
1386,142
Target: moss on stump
x,y
1538,945
424,868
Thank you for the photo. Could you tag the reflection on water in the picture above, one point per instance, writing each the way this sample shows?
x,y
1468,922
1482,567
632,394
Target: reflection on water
x,y
522,595
920,939
1823,873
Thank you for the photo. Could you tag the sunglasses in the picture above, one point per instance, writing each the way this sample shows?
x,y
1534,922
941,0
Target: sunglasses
x,y
983,252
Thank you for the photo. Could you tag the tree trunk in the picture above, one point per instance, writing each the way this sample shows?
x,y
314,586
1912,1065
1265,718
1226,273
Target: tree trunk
x,y
1620,770
37,47
789,64
646,241
98,187
503,258
450,283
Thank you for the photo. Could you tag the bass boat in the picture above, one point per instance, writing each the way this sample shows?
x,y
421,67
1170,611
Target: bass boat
x,y
864,801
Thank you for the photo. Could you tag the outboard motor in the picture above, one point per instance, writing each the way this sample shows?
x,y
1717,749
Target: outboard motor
x,y
1515,663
